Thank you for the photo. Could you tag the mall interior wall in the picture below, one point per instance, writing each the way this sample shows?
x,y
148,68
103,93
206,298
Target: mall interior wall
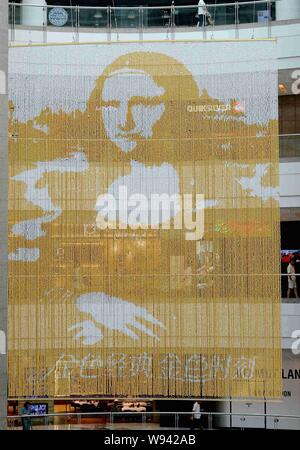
x,y
288,9
287,35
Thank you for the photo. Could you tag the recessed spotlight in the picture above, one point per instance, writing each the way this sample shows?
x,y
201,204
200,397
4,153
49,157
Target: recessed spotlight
x,y
282,88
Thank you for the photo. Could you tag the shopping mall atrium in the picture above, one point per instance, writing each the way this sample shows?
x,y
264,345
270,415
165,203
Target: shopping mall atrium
x,y
149,214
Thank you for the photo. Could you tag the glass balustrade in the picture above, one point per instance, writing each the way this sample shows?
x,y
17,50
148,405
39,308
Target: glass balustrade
x,y
47,17
114,420
289,145
94,17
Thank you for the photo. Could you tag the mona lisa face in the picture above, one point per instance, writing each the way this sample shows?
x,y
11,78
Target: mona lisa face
x,y
131,105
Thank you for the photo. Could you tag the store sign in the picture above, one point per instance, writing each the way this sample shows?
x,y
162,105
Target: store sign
x,y
263,16
288,408
291,374
296,342
296,83
58,17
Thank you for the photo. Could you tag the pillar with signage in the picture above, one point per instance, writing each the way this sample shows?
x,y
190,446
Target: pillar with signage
x,y
3,209
33,12
287,9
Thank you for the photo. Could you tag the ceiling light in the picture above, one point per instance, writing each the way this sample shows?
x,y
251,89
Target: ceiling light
x,y
282,88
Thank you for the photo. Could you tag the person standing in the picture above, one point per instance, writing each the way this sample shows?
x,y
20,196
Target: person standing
x,y
26,421
292,280
202,12
196,422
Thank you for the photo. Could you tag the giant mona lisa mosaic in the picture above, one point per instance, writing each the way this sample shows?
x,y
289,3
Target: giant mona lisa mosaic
x,y
144,220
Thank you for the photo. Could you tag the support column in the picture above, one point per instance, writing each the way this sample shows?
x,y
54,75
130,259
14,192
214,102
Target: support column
x,y
33,15
3,208
288,9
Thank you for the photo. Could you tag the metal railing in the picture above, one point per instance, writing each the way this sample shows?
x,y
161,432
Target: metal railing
x,y
157,419
289,145
141,19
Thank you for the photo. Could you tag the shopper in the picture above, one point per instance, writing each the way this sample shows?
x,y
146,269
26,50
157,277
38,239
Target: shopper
x,y
196,420
26,421
202,13
292,279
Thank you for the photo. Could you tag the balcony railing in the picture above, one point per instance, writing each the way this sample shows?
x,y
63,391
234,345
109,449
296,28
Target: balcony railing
x,y
151,420
141,19
289,145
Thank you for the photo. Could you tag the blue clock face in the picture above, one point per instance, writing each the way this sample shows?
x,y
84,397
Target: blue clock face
x,y
58,17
